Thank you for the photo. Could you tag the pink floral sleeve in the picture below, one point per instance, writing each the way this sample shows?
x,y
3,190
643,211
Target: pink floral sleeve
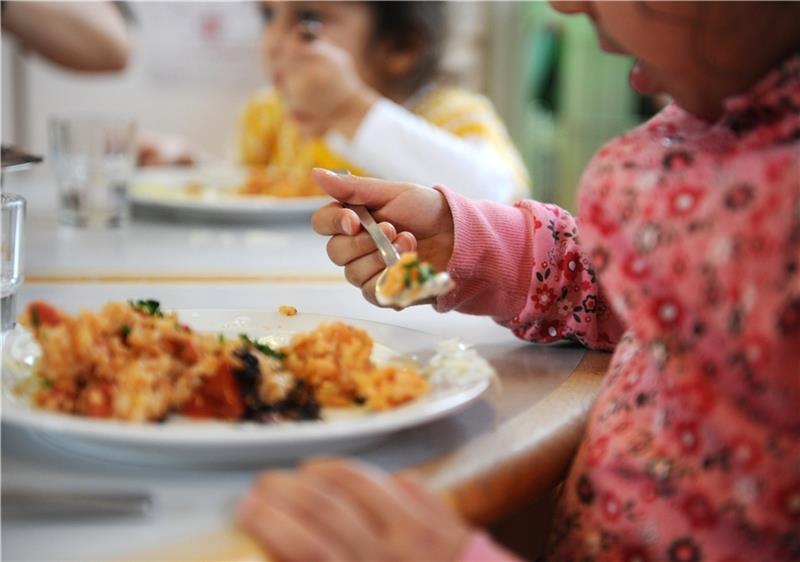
x,y
524,267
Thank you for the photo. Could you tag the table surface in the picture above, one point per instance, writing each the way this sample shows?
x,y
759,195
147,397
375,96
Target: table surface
x,y
505,449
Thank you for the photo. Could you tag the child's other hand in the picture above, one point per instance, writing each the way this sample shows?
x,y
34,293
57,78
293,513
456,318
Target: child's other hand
x,y
323,88
340,510
162,150
420,215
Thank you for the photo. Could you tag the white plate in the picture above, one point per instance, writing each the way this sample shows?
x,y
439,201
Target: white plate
x,y
163,190
455,385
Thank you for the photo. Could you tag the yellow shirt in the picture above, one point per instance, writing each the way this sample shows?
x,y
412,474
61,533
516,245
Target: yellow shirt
x,y
269,136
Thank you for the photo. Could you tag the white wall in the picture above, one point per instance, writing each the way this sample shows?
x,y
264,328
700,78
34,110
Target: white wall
x,y
194,65
10,63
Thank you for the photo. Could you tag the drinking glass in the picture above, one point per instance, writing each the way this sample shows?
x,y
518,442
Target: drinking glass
x,y
93,160
11,222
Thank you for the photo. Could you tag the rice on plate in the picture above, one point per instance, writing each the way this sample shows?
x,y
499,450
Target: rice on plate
x,y
134,362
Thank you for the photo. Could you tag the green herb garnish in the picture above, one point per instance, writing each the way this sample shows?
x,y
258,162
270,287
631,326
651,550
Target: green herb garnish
x,y
425,273
46,384
221,338
262,347
36,320
124,331
147,306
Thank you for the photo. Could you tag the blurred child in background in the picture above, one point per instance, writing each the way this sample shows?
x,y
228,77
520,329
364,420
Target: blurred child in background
x,y
355,87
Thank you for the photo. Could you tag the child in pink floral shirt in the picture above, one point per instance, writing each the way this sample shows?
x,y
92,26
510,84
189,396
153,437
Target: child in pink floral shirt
x,y
685,262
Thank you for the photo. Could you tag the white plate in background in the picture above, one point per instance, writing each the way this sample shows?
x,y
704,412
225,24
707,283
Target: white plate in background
x,y
461,381
164,190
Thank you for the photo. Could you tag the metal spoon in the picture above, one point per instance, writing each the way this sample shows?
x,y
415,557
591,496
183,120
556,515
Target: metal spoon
x,y
435,286
385,247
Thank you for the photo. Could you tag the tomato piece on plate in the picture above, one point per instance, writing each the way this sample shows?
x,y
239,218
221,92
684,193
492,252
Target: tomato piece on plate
x,y
43,314
219,397
95,401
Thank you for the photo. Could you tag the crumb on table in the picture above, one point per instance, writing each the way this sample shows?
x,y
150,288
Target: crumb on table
x,y
286,310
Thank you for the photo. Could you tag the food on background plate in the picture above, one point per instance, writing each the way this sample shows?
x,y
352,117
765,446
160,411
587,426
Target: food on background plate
x,y
410,280
277,182
286,310
213,183
134,362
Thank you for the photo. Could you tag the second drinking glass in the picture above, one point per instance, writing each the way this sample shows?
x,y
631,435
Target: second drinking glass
x,y
93,160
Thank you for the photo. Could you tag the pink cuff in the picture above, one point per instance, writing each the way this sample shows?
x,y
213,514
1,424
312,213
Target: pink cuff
x,y
480,548
492,258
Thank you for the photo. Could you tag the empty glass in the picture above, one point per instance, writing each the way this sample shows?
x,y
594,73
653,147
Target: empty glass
x,y
11,223
93,160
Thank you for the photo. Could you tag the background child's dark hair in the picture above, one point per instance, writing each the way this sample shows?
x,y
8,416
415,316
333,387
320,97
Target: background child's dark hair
x,y
418,26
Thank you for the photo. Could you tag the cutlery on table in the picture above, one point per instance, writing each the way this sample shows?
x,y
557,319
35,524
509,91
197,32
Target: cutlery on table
x,y
29,503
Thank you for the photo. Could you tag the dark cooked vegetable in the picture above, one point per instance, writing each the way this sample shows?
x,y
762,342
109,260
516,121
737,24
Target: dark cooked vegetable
x,y
299,403
249,380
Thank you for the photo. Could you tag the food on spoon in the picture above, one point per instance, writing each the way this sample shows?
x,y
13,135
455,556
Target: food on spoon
x,y
410,280
135,362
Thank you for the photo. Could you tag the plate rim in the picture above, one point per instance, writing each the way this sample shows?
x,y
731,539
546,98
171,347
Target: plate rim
x,y
223,434
250,205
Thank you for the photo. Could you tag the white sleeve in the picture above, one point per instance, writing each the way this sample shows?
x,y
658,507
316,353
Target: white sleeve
x,y
393,143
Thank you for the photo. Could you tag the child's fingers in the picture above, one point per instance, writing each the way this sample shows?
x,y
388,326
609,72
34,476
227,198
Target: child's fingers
x,y
420,496
344,249
361,270
299,49
281,535
405,242
335,219
366,488
356,190
319,509
368,291
302,49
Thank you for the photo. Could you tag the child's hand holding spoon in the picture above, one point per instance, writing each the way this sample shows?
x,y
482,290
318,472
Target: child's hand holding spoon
x,y
405,280
417,219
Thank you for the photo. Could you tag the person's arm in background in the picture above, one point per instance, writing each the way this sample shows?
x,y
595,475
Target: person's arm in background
x,y
470,150
85,36
456,139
